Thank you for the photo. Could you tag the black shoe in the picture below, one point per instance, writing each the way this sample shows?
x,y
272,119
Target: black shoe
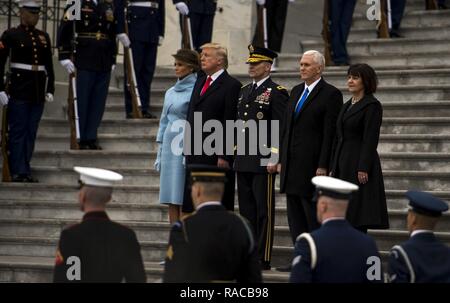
x,y
94,146
395,34
147,115
83,146
287,268
265,266
18,179
30,179
129,116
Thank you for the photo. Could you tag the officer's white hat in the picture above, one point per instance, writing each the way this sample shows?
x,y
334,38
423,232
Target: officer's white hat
x,y
29,3
97,176
333,187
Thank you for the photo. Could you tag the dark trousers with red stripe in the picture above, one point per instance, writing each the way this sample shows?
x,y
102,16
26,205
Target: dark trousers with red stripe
x,y
256,196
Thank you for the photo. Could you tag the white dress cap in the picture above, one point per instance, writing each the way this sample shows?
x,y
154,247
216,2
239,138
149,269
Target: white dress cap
x,y
97,176
334,185
28,3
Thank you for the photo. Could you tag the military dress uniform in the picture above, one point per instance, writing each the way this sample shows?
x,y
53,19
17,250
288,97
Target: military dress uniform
x,y
201,15
336,252
259,102
423,258
146,23
95,54
213,244
98,249
31,79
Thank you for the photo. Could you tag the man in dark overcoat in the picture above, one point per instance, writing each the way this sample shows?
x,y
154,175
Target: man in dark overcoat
x,y
307,139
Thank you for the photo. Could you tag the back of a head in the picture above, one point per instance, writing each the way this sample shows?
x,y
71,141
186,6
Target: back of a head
x,y
97,196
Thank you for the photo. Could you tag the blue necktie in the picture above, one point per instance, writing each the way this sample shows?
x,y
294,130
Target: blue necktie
x,y
301,101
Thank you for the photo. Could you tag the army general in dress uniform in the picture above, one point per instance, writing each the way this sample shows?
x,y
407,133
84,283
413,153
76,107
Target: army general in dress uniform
x,y
98,249
336,252
31,83
260,103
423,258
213,244
95,54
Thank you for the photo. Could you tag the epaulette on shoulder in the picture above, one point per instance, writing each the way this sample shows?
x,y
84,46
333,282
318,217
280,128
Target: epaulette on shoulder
x,y
280,87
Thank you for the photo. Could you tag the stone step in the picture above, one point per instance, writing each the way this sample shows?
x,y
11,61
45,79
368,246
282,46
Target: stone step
x,y
420,60
337,77
19,269
38,193
406,31
412,125
108,126
394,47
151,251
416,109
126,143
145,160
415,162
414,143
414,19
143,143
60,192
152,212
154,231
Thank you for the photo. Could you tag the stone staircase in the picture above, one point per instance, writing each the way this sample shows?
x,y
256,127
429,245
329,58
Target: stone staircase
x,y
414,75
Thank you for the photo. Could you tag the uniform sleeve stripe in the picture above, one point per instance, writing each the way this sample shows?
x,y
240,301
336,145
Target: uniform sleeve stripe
x,y
312,246
407,261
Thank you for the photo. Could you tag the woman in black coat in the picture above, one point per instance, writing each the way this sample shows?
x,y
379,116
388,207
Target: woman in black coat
x,y
355,157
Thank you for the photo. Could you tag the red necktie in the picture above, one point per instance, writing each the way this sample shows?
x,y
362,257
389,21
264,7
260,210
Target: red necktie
x,y
206,85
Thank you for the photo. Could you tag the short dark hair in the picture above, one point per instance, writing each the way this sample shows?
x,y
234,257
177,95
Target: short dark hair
x,y
367,74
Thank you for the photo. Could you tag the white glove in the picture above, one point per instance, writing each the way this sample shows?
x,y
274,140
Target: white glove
x,y
292,1
3,98
161,40
157,164
123,38
113,67
182,8
49,97
261,2
68,65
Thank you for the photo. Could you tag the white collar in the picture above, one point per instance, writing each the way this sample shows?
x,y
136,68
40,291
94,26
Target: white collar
x,y
260,81
216,75
312,86
332,219
421,231
208,204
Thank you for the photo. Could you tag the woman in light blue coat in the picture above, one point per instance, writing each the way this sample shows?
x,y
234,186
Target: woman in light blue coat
x,y
169,161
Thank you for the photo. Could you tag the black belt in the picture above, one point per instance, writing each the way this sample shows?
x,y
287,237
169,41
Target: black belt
x,y
97,36
149,4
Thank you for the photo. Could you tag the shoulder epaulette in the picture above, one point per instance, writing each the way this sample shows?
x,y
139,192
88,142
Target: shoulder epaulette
x,y
280,87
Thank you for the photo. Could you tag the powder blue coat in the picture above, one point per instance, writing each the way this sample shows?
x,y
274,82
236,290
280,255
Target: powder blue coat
x,y
172,171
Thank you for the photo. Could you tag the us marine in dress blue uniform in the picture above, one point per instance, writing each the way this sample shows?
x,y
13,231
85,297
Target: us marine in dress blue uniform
x,y
95,54
213,244
31,83
423,258
336,252
146,31
262,101
107,252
